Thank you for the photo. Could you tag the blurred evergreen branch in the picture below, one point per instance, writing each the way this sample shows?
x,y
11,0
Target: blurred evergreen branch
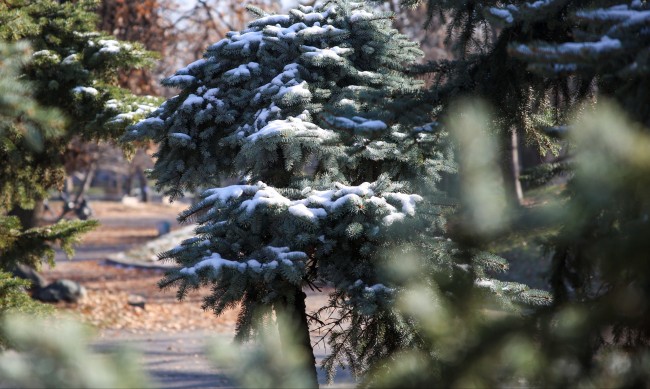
x,y
51,353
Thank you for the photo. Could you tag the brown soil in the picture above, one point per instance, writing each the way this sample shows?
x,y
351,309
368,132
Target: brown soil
x,y
111,288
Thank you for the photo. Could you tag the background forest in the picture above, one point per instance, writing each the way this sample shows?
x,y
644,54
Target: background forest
x,y
467,180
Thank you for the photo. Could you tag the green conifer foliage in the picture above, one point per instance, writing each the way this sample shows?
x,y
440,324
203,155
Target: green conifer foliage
x,y
13,299
600,257
313,110
282,67
610,45
481,34
532,58
24,126
55,352
599,271
63,89
72,68
596,332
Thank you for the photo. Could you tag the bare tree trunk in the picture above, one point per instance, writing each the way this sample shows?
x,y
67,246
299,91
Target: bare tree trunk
x,y
85,185
296,332
144,188
511,169
128,185
68,187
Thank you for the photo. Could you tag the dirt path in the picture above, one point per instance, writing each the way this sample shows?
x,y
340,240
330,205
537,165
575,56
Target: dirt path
x,y
172,359
169,335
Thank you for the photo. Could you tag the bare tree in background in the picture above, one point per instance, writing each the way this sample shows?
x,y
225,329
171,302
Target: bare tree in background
x,y
203,23
179,31
412,22
138,21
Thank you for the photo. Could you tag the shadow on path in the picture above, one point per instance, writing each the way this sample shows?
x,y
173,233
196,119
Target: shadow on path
x,y
172,360
178,361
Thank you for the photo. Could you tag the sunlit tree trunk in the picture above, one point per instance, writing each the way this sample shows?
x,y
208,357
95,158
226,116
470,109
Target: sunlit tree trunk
x,y
511,168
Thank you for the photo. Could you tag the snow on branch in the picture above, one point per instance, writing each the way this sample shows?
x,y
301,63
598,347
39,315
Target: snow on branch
x,y
620,18
317,204
215,263
369,297
291,127
357,124
570,51
321,57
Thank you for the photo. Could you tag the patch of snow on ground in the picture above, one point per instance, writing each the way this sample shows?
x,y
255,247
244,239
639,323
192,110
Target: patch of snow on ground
x,y
150,250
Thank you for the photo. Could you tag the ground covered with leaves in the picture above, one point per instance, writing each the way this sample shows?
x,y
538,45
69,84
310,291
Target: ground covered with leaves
x,y
128,298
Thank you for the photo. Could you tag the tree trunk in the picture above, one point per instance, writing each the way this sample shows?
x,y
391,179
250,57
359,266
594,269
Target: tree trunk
x,y
511,169
128,184
85,185
295,332
29,218
68,188
144,188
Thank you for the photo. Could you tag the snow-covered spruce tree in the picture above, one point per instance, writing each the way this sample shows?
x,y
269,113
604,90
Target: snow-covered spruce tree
x,y
610,44
481,34
564,52
527,104
535,61
599,271
314,112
